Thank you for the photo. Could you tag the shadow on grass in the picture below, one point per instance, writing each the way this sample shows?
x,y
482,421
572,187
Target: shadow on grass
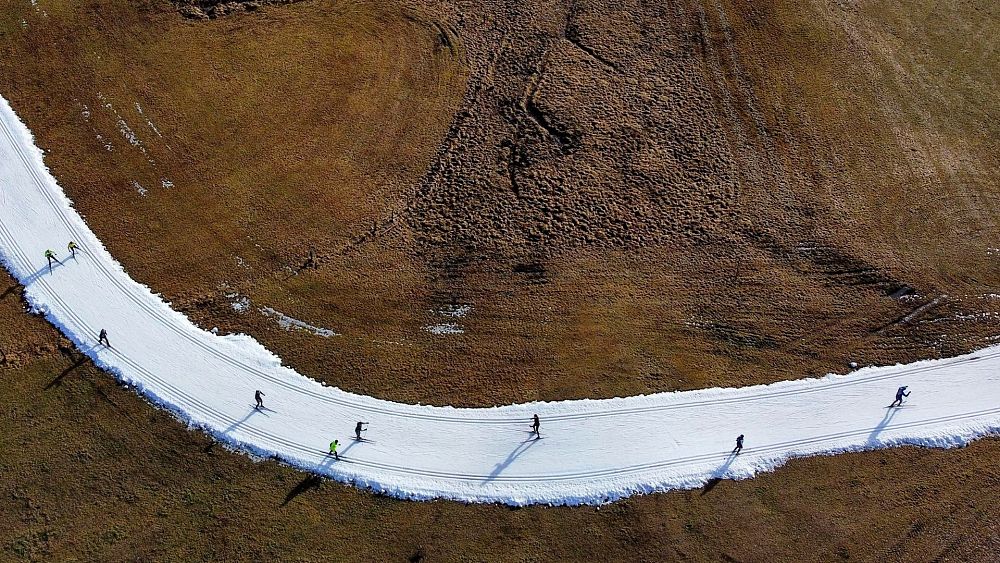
x,y
77,363
718,475
9,291
309,483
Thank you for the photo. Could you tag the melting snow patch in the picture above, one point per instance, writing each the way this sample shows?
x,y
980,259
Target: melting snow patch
x,y
108,146
166,183
127,133
444,329
290,323
239,303
138,187
455,311
138,108
452,311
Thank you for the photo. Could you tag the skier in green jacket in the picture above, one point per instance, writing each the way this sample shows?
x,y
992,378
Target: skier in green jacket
x,y
72,246
333,449
50,256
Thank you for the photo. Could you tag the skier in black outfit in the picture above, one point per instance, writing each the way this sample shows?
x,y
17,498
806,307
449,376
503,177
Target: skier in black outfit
x,y
358,429
900,393
739,445
534,427
257,396
102,338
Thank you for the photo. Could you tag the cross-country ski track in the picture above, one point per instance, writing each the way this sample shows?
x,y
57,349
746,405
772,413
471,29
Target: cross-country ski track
x,y
592,451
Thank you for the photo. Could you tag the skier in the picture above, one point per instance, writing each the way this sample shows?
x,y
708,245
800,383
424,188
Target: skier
x,y
257,396
333,449
358,429
900,393
534,427
739,445
72,246
103,338
50,256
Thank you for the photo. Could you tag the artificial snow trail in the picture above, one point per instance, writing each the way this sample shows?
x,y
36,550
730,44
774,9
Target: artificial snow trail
x,y
593,450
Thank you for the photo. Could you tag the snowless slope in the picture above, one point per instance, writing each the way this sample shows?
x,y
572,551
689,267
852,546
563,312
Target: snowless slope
x,y
592,450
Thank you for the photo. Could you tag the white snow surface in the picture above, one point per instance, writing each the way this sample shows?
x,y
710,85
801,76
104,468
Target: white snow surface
x,y
592,451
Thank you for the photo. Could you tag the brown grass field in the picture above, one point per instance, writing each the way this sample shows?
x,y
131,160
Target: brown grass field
x,y
629,196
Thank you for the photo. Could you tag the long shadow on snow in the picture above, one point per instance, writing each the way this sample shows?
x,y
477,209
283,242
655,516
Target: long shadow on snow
x,y
718,475
41,272
890,413
500,467
240,422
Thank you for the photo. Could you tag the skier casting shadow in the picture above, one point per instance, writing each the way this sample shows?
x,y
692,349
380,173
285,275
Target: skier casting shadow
x,y
358,429
50,256
900,393
719,474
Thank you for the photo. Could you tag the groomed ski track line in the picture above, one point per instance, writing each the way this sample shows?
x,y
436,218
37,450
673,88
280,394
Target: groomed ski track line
x,y
593,450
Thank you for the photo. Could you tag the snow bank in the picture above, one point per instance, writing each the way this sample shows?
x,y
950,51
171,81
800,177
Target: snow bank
x,y
591,451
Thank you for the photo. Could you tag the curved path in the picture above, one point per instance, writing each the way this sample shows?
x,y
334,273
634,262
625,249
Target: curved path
x,y
592,450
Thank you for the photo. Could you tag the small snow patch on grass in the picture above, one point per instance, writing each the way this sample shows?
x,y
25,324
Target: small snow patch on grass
x,y
138,187
127,133
149,122
239,303
451,311
107,146
457,311
291,323
444,329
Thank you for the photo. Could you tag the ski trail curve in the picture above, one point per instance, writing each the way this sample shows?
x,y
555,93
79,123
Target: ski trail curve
x,y
592,451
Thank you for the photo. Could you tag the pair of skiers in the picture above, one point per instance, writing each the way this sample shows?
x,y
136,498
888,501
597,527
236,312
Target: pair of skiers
x,y
358,429
50,255
900,393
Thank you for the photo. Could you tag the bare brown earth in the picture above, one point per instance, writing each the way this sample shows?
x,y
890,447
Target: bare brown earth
x,y
632,197
91,472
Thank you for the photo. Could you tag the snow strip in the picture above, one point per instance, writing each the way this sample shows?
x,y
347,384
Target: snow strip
x,y
591,451
290,323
